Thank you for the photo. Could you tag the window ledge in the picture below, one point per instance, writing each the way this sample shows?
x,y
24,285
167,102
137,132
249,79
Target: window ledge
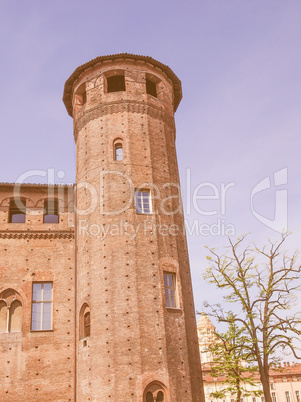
x,y
174,309
41,330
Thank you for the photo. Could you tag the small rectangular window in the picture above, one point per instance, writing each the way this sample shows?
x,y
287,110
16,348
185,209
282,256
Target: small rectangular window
x,y
143,202
41,310
116,83
274,398
170,289
272,386
151,87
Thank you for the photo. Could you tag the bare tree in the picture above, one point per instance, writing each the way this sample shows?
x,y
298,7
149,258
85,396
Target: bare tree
x,y
265,292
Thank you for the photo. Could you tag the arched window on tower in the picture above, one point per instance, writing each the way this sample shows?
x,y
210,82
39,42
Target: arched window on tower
x,y
84,322
11,311
155,392
118,150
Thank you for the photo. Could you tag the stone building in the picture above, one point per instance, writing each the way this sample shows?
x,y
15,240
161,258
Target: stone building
x,y
96,300
206,337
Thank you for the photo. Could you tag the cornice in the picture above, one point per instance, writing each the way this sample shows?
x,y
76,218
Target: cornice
x,y
121,107
37,234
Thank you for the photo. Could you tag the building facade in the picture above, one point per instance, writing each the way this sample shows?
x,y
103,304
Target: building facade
x,y
96,300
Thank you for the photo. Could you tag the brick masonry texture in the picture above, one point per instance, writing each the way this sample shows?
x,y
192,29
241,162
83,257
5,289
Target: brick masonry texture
x,y
135,342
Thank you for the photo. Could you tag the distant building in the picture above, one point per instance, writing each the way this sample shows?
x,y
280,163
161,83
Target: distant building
x,y
206,337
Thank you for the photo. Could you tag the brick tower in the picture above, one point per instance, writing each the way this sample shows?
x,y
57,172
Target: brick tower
x,y
136,330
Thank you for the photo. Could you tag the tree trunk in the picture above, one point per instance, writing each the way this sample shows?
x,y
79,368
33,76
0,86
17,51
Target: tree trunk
x,y
265,385
238,391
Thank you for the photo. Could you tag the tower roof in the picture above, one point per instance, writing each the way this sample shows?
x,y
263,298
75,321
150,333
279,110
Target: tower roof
x,y
67,96
204,321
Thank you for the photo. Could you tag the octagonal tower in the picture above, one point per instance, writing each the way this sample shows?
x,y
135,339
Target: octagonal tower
x,y
136,328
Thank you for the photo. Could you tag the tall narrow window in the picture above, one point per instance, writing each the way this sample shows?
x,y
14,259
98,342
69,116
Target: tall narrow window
x,y
116,83
143,202
17,211
298,396
41,317
170,289
84,321
3,316
149,397
15,316
151,87
51,211
118,151
87,324
274,398
287,396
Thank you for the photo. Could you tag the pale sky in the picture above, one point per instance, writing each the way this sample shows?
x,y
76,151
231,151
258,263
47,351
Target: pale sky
x,y
239,121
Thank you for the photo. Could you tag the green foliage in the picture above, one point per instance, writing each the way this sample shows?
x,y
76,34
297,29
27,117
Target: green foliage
x,y
229,360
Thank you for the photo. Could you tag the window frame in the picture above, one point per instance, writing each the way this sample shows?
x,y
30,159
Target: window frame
x,y
143,209
173,298
42,303
118,144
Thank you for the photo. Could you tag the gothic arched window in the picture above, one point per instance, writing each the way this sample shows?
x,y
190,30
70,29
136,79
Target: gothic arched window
x,y
155,392
11,311
84,321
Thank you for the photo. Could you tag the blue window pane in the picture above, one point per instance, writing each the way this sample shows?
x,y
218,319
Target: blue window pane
x,y
47,292
36,317
119,153
47,309
18,218
37,292
51,218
